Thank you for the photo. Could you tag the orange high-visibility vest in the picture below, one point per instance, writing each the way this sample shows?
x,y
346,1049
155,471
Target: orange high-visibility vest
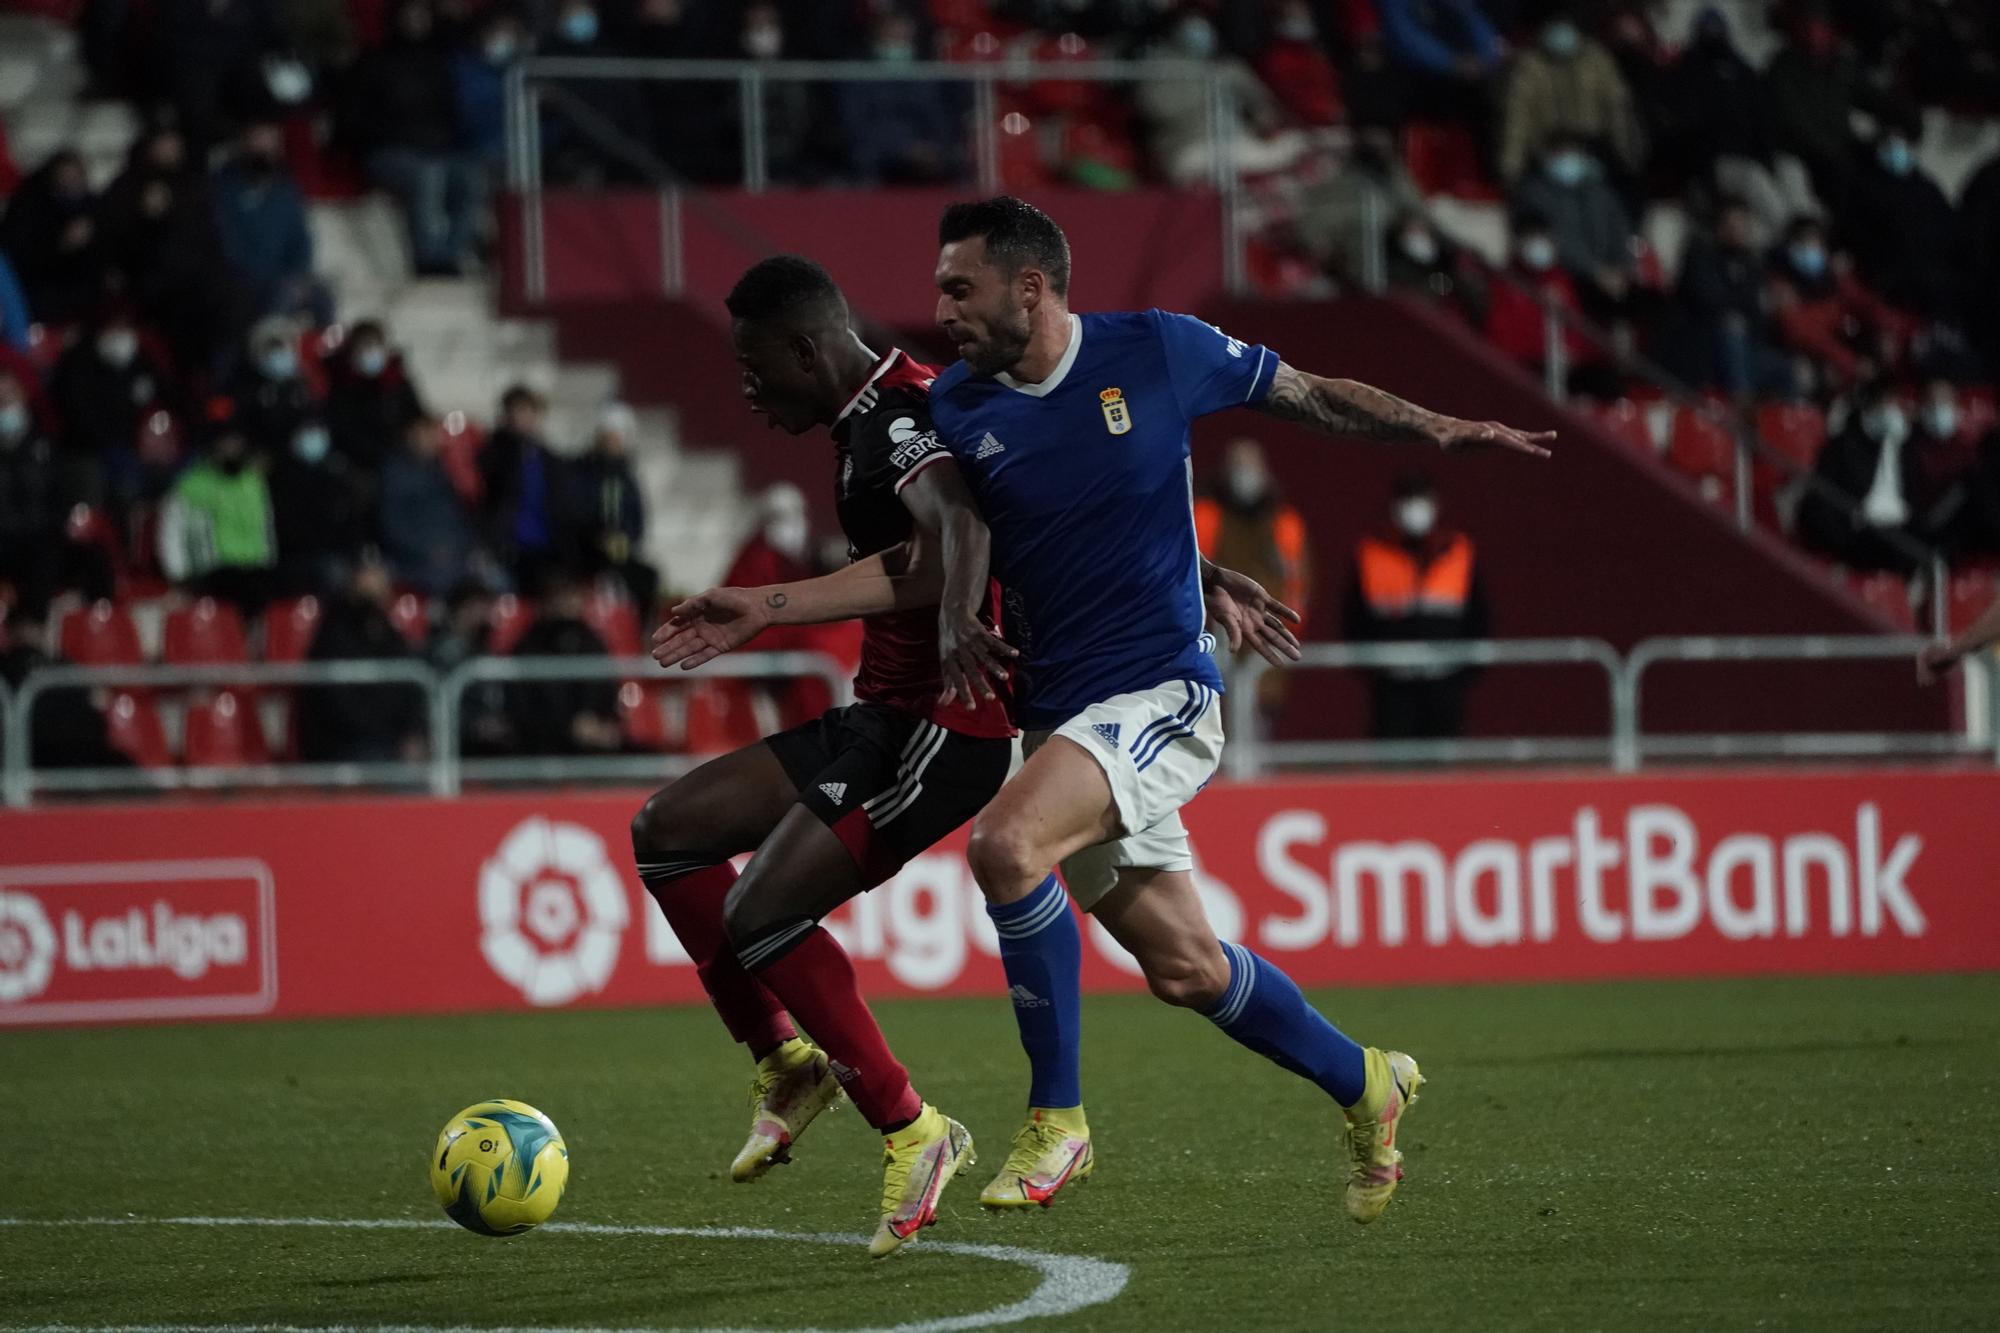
x,y
1286,541
1393,583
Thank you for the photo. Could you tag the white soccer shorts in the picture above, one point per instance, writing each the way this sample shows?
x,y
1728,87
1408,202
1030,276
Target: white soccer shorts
x,y
1157,747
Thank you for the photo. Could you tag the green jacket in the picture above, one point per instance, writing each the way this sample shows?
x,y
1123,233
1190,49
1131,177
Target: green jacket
x,y
224,521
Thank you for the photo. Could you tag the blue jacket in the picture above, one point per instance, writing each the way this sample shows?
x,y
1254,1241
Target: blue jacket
x,y
1433,35
479,88
14,314
263,226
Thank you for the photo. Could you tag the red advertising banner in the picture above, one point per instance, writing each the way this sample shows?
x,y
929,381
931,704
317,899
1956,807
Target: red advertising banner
x,y
402,906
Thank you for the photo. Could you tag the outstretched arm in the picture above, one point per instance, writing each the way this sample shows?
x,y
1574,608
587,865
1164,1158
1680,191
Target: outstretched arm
x,y
970,654
1346,407
1239,606
1980,635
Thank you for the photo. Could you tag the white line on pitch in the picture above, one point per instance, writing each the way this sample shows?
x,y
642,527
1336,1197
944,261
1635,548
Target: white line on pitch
x,y
1070,1282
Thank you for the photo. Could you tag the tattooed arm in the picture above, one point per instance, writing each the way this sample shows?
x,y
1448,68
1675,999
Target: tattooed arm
x,y
1345,407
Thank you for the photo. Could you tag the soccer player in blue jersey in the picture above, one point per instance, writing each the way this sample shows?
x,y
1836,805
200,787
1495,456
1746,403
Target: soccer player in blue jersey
x,y
1072,432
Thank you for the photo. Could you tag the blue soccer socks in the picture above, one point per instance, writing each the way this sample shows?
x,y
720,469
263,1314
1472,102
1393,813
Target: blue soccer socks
x,y
1042,951
1264,1010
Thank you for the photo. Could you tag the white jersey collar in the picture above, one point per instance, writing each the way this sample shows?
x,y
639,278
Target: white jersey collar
x,y
895,355
1058,375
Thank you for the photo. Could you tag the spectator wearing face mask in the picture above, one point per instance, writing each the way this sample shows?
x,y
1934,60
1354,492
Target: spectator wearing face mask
x,y
777,551
1815,84
1423,262
1517,305
1720,110
527,499
611,509
370,397
103,386
901,133
400,112
1864,485
1903,230
262,217
1416,582
1567,84
1176,111
273,398
1725,302
1448,51
1943,462
51,234
1245,524
217,535
1826,313
425,530
318,508
479,85
575,156
1592,230
360,723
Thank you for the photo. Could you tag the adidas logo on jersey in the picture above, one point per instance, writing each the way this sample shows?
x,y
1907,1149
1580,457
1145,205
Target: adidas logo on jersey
x,y
1106,732
1024,998
987,448
835,791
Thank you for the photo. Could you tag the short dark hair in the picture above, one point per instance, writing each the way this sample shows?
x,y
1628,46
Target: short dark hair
x,y
1017,235
781,285
520,395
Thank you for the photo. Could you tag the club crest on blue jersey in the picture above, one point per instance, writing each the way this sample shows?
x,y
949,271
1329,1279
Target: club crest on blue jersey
x,y
1117,414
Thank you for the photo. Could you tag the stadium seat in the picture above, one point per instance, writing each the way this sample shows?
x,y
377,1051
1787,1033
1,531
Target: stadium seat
x,y
511,618
1020,150
1626,421
223,732
462,442
411,615
616,621
132,724
1978,413
207,632
1068,95
1967,596
1443,158
642,716
1888,594
289,628
1794,430
101,634
721,716
1703,446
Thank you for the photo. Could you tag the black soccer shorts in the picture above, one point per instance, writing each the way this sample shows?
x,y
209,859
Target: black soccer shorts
x,y
888,783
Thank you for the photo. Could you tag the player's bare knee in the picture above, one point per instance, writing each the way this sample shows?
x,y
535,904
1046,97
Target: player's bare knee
x,y
1004,860
653,827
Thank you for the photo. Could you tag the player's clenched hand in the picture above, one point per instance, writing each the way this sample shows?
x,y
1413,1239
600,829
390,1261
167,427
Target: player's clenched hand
x,y
1465,437
972,658
707,625
1239,606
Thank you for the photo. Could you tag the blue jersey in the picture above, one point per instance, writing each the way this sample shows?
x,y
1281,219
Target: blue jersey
x,y
1085,482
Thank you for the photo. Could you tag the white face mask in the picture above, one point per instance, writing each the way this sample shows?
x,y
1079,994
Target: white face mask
x,y
312,443
1941,420
371,360
787,534
764,42
1538,253
1246,483
1420,247
13,422
118,346
1417,515
1886,422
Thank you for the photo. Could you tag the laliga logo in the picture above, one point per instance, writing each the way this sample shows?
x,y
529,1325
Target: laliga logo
x,y
27,947
552,910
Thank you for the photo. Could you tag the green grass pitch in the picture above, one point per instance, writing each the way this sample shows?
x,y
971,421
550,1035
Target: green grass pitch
x,y
1804,1154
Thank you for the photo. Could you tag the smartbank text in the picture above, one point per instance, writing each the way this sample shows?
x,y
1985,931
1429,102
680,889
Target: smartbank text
x,y
1652,879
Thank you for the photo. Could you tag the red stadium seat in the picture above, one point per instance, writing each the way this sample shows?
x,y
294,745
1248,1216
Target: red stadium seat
x,y
411,615
207,632
1967,596
101,634
642,716
1626,421
1057,97
1443,157
289,628
1704,447
721,716
223,732
511,618
1021,164
1795,430
617,623
462,442
1977,412
1888,594
132,724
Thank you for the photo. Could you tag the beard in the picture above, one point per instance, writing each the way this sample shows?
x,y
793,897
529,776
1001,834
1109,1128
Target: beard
x,y
1004,346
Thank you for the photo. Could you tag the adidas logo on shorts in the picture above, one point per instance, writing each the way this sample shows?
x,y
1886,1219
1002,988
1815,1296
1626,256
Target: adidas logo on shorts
x,y
988,447
1024,998
835,791
1106,732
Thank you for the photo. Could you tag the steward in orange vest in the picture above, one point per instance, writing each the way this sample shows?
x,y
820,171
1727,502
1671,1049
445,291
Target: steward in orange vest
x,y
1242,523
1416,581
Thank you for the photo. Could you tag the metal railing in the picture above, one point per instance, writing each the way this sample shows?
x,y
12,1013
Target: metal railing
x,y
445,770
534,89
1247,754
1625,744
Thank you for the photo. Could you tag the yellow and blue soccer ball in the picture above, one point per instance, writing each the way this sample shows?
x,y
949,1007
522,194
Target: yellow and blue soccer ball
x,y
500,1167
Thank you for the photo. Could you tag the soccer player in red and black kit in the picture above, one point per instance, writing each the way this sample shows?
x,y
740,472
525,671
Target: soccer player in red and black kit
x,y
834,807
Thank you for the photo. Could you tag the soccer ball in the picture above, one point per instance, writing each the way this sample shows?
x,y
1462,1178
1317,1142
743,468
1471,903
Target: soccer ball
x,y
499,1168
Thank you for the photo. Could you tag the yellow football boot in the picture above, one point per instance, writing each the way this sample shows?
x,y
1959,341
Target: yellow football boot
x,y
794,1084
1050,1150
1393,1081
918,1161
